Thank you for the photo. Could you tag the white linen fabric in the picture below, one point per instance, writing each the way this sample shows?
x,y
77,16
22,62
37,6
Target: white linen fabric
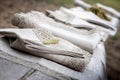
x,y
75,21
87,41
63,52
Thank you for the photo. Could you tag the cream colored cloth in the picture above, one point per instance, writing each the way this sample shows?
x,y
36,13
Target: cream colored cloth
x,y
63,52
86,40
64,15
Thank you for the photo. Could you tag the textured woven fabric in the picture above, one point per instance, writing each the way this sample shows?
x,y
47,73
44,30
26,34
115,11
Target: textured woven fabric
x,y
87,40
64,52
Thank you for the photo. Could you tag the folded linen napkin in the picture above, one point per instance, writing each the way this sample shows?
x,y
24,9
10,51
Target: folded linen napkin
x,y
79,23
70,19
87,41
31,41
89,17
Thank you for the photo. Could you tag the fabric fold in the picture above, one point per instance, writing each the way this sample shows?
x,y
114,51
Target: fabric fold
x,y
89,17
72,57
87,41
70,19
75,21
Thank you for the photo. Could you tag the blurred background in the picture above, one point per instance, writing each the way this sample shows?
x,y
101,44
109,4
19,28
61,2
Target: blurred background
x,y
9,7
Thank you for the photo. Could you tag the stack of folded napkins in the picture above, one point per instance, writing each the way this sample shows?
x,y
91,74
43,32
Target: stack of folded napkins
x,y
65,36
